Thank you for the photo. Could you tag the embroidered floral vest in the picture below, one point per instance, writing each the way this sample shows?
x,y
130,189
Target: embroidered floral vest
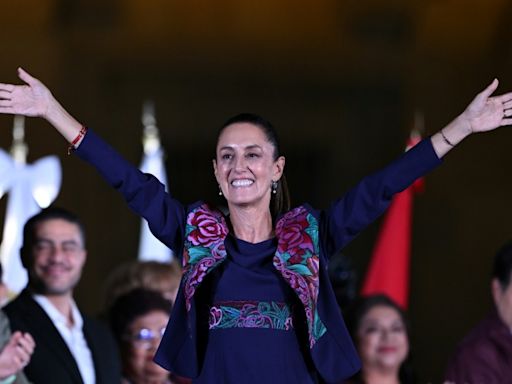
x,y
296,258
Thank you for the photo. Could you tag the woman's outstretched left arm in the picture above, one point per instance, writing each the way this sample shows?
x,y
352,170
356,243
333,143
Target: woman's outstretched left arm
x,y
484,113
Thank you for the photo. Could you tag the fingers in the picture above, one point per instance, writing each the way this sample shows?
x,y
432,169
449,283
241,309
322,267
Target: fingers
x,y
490,89
7,111
6,87
26,342
21,358
20,346
505,99
5,95
26,77
506,121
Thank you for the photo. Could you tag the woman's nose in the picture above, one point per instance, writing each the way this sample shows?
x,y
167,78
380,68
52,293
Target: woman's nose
x,y
240,163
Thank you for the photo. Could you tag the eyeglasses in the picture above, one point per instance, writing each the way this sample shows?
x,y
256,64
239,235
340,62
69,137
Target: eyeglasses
x,y
144,337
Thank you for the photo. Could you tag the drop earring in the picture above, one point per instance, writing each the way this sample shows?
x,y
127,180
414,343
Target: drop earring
x,y
273,187
220,191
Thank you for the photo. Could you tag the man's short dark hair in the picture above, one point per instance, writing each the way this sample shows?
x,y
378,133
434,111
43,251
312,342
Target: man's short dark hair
x,y
50,213
502,268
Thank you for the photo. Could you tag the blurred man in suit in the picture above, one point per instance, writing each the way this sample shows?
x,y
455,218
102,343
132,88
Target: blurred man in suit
x,y
485,354
71,347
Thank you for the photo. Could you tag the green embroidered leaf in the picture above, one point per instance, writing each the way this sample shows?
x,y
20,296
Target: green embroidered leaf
x,y
197,253
285,256
300,269
318,328
189,228
312,231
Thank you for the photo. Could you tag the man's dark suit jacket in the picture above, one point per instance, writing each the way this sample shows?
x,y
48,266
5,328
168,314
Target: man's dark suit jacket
x,y
52,361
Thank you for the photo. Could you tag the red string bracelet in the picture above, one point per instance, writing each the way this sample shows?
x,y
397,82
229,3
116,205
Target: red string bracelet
x,y
81,134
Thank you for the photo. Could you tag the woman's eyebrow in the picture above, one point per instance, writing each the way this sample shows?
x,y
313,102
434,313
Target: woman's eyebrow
x,y
251,146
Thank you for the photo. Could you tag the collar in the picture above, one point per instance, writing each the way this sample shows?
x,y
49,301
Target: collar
x,y
55,316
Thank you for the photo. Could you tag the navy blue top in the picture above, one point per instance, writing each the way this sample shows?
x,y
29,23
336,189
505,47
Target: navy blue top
x,y
253,355
198,342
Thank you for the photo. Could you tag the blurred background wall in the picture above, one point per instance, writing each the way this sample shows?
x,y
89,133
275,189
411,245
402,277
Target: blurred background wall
x,y
341,79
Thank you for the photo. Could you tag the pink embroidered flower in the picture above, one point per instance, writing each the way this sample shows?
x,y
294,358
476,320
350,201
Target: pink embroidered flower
x,y
289,323
313,264
297,257
215,317
207,228
291,230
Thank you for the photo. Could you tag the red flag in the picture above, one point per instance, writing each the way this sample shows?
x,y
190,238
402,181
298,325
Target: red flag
x,y
388,272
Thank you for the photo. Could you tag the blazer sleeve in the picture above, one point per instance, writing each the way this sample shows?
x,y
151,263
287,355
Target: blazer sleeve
x,y
365,202
143,192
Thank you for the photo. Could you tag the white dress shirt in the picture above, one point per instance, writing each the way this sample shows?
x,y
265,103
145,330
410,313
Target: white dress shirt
x,y
73,336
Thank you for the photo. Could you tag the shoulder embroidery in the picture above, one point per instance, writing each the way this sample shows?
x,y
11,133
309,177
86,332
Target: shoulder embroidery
x,y
204,248
297,258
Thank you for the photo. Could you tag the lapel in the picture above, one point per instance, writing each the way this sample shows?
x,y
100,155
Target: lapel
x,y
44,332
296,258
95,345
204,249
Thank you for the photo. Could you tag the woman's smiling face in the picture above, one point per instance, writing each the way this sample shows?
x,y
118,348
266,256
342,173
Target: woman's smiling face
x,y
382,339
245,165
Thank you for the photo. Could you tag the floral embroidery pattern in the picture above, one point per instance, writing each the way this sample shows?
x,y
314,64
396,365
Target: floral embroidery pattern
x,y
204,247
297,260
251,314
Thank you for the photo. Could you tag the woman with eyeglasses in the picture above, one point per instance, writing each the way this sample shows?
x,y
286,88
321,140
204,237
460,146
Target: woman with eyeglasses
x,y
138,320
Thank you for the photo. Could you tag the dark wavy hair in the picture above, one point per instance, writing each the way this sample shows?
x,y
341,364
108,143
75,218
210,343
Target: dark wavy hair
x,y
132,305
279,201
353,317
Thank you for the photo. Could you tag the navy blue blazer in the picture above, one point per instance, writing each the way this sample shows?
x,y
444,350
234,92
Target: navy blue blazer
x,y
331,347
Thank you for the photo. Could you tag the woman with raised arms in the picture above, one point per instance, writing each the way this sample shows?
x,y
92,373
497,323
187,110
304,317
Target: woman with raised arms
x,y
255,304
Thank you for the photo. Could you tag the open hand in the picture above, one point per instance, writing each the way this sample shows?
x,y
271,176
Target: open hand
x,y
486,113
31,99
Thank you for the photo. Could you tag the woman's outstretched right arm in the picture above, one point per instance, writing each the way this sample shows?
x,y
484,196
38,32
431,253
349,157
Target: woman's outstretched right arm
x,y
143,193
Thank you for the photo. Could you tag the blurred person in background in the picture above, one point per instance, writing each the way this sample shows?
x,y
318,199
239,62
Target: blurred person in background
x,y
484,356
71,347
5,294
152,275
15,349
138,319
381,334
